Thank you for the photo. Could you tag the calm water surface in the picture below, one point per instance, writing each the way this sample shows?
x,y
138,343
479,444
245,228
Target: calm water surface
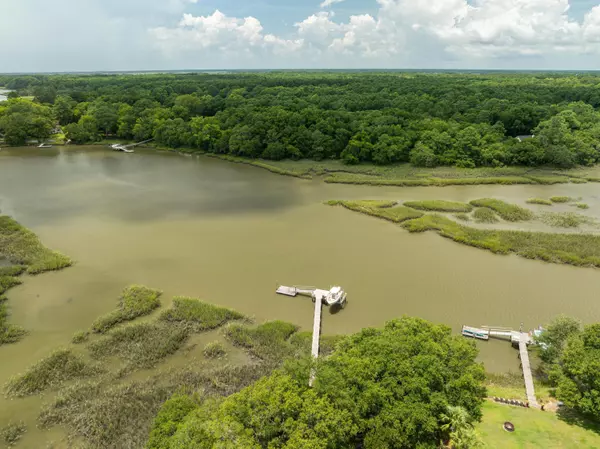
x,y
230,233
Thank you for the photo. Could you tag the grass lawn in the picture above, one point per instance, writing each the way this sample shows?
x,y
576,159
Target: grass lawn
x,y
533,429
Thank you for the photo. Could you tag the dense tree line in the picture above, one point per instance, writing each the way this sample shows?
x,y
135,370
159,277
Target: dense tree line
x,y
465,120
409,385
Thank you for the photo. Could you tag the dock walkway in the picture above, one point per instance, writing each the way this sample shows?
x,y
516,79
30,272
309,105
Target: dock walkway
x,y
526,366
316,336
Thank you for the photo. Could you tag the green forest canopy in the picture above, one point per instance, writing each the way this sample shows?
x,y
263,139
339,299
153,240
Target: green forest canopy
x,y
457,119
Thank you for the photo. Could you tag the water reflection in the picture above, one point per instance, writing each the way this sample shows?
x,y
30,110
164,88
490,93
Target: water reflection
x,y
59,184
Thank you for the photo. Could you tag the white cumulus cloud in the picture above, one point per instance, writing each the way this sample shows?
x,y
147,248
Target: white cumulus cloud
x,y
328,3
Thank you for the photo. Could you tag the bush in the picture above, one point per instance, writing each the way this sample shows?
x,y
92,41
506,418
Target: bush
x,y
136,301
200,315
214,350
61,366
439,206
169,418
509,212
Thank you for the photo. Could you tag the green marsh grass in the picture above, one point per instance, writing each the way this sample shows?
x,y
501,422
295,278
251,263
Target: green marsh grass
x,y
268,342
561,199
485,215
199,315
12,433
51,372
21,246
135,301
565,219
540,201
80,337
8,282
462,217
582,206
572,249
439,206
214,350
113,415
507,211
12,270
381,209
140,345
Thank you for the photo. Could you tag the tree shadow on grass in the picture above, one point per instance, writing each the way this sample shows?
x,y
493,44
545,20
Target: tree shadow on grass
x,y
574,418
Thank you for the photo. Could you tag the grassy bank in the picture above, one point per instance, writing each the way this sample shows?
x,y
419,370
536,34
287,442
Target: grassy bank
x,y
380,209
22,247
24,252
439,206
573,249
406,175
507,211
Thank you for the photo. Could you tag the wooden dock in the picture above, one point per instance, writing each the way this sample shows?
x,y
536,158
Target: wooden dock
x,y
316,337
526,366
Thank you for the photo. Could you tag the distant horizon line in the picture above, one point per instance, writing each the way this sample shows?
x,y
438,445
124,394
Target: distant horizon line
x,y
417,70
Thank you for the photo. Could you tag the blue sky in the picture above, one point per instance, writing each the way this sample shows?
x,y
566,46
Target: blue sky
x,y
88,35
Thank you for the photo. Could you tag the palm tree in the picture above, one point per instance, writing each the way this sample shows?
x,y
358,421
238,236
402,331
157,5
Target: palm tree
x,y
457,425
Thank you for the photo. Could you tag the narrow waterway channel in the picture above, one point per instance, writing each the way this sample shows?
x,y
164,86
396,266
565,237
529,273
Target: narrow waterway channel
x,y
229,233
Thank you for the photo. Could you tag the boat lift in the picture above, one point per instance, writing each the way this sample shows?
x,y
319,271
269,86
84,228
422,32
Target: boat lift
x,y
334,296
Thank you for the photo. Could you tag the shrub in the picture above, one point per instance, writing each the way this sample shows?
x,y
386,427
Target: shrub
x,y
169,418
136,301
485,215
509,212
198,314
540,201
439,206
214,350
61,366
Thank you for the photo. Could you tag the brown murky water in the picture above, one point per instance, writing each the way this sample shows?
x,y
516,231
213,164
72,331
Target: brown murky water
x,y
229,233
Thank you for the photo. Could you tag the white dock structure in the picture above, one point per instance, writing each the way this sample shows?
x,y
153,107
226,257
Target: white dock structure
x,y
518,339
316,336
529,388
334,296
127,148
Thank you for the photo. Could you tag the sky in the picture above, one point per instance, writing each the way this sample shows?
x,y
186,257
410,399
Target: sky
x,y
124,35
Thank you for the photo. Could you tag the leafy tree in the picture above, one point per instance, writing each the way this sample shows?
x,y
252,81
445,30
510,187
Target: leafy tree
x,y
554,337
64,109
389,387
577,373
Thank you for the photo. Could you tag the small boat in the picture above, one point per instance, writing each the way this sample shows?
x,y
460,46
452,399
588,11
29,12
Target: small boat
x,y
473,332
44,145
334,296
